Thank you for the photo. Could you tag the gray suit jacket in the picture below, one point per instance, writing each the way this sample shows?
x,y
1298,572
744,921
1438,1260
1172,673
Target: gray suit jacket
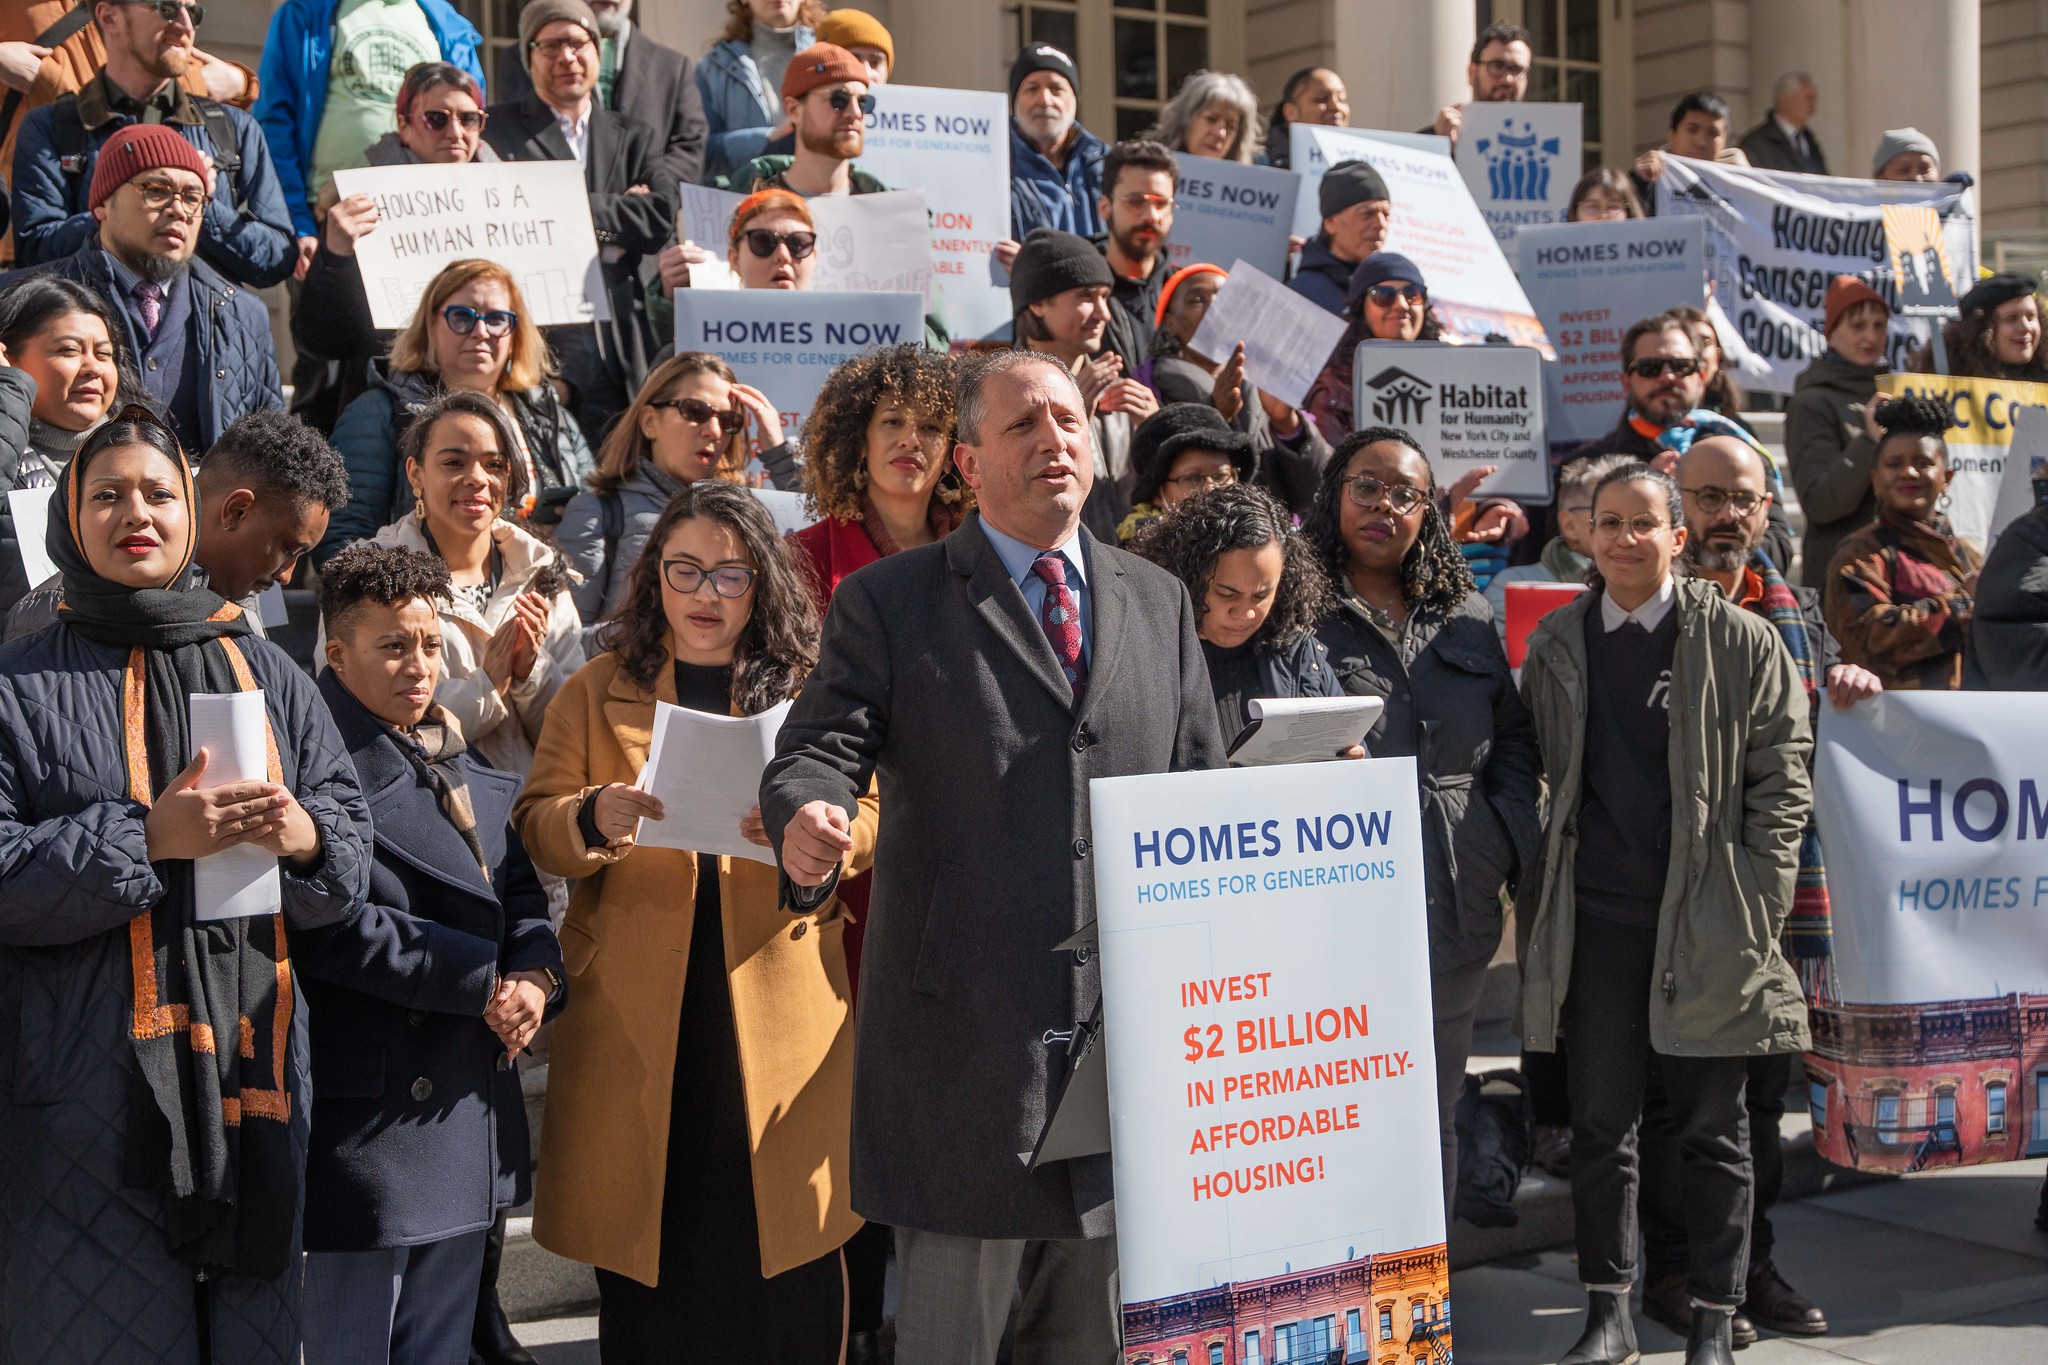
x,y
656,85
935,677
1768,149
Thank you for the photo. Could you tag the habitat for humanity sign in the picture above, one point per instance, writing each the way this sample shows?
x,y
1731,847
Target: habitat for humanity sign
x,y
1467,406
1520,161
531,217
785,342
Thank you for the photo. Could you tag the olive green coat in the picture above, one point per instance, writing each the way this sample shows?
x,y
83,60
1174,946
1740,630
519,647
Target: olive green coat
x,y
1740,746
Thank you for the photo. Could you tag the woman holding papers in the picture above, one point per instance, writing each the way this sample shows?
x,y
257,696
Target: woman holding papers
x,y
1408,627
696,1143
772,243
155,1165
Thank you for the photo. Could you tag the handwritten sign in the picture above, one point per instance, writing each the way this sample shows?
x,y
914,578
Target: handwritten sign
x,y
873,244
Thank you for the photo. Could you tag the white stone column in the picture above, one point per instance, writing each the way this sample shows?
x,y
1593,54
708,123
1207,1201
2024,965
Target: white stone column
x,y
1910,63
1401,59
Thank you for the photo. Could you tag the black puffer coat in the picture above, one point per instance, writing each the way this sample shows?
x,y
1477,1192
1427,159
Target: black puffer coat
x,y
87,1276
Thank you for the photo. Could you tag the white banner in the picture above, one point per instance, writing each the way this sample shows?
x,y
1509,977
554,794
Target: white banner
x,y
1467,406
1984,417
1226,212
785,342
1520,161
955,146
1589,282
531,217
874,244
1775,240
1266,1012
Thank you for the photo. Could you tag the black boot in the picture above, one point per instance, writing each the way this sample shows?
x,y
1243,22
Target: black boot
x,y
1713,1340
1610,1335
491,1341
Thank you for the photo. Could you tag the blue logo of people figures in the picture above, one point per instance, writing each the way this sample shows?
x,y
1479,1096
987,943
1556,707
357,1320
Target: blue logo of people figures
x,y
1518,163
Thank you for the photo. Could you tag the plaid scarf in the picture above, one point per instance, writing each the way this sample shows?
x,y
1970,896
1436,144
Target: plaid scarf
x,y
431,747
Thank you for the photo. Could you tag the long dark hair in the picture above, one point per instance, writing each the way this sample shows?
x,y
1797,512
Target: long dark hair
x,y
1197,532
28,307
1434,576
779,645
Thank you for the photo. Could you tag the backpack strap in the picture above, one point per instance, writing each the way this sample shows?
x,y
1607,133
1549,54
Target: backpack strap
x,y
227,147
611,520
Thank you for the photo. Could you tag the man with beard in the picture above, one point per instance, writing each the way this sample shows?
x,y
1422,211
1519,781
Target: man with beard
x,y
1726,488
1498,74
245,232
1055,163
201,346
1139,181
825,98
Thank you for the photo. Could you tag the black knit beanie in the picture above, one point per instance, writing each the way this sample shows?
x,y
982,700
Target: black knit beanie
x,y
1348,183
1053,262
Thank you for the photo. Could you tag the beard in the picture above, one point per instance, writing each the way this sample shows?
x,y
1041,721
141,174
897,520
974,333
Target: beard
x,y
610,19
1131,247
157,269
841,146
1048,129
1702,553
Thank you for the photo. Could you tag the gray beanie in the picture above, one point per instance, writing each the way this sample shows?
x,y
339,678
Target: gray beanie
x,y
538,14
1899,141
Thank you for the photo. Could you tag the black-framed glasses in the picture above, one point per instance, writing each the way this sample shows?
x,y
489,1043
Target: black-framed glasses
x,y
698,411
727,580
763,243
1383,295
169,10
554,49
1200,483
1712,499
843,99
1368,492
158,195
1643,525
462,320
1499,69
436,120
1651,366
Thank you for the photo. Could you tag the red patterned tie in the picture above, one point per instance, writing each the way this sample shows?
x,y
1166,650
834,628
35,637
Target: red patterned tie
x,y
1061,617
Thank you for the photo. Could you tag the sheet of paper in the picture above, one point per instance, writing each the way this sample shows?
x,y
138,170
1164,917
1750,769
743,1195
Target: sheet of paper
x,y
243,880
1286,338
705,219
1303,729
270,608
31,509
706,772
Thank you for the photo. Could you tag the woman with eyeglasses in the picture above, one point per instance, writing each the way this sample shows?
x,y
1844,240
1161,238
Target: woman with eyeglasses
x,y
1408,627
1388,301
1603,195
688,422
1900,593
695,1147
470,332
1180,451
441,123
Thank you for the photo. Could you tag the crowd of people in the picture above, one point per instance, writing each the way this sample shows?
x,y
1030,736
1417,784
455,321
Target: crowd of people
x,y
1079,554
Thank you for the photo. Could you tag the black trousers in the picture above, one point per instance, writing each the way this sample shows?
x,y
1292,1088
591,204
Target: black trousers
x,y
1658,1203
1607,1027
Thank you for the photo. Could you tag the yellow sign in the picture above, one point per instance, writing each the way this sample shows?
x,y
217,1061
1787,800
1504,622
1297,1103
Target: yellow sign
x,y
1982,415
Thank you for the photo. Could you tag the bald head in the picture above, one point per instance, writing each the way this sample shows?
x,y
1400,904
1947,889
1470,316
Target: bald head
x,y
1727,502
1726,461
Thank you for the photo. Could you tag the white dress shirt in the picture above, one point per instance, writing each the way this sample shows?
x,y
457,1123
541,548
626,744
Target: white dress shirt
x,y
1649,615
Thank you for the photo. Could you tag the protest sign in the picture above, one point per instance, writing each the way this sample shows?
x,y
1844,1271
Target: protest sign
x,y
873,244
1467,406
1267,1028
531,217
1982,413
1930,1027
1775,240
1227,212
955,146
785,342
1313,148
1520,161
704,216
1588,283
1287,339
1437,225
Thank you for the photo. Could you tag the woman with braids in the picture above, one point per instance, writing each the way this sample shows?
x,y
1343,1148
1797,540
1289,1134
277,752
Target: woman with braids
x,y
1258,593
1408,627
1899,594
699,1107
155,1170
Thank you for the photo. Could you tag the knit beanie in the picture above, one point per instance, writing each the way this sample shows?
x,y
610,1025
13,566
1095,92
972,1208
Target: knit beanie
x,y
1382,267
538,14
1052,262
857,28
1899,141
1159,439
137,148
820,65
1042,57
1844,293
1348,183
1173,282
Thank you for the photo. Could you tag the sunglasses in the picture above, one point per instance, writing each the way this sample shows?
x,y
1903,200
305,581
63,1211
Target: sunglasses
x,y
1383,295
1368,493
1649,367
728,581
843,100
462,320
763,243
436,120
169,10
697,411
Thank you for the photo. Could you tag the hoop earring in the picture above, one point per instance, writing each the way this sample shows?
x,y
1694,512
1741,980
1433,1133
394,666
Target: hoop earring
x,y
1941,504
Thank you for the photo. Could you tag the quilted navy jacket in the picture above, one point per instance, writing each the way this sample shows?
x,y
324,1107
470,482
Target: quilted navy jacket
x,y
86,1275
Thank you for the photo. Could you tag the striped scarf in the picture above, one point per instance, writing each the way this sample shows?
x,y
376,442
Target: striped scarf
x,y
1807,940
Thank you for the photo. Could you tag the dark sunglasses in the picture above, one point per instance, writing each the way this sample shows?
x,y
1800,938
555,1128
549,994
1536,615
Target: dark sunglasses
x,y
1649,367
698,411
1383,295
462,320
436,120
842,100
168,10
762,243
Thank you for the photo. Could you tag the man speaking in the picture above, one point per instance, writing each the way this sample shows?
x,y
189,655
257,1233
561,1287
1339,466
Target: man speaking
x,y
985,679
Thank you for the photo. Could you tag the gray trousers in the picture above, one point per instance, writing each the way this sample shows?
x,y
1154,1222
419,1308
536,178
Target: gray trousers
x,y
1454,1002
393,1305
958,1293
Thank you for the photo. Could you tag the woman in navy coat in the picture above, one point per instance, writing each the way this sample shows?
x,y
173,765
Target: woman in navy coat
x,y
422,1001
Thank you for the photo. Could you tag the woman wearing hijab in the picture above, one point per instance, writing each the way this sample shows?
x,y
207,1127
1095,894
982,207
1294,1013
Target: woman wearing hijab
x,y
154,1111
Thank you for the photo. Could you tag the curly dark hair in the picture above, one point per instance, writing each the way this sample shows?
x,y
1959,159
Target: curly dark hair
x,y
1188,541
836,433
1914,416
386,575
1434,576
1972,347
273,452
779,645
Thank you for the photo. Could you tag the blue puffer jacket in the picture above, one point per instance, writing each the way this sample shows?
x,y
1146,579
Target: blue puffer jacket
x,y
296,56
739,107
1043,195
102,1284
